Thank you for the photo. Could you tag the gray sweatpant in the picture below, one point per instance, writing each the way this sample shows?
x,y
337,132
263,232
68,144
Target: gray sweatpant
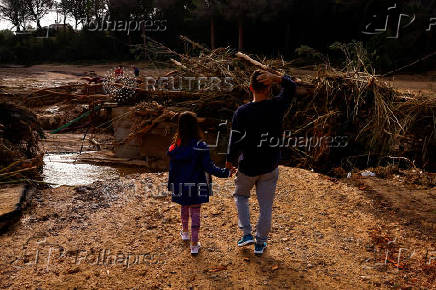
x,y
265,190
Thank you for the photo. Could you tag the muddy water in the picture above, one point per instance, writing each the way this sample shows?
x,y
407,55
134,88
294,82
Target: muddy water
x,y
62,169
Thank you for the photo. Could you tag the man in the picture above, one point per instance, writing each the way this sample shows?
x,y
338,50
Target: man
x,y
256,130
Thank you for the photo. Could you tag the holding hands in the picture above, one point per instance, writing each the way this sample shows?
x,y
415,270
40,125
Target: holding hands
x,y
231,168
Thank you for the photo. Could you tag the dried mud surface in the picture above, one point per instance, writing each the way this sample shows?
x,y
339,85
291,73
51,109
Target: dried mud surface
x,y
122,233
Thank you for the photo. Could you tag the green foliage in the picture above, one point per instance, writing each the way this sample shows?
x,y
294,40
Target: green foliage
x,y
310,54
273,28
6,40
66,46
355,56
6,36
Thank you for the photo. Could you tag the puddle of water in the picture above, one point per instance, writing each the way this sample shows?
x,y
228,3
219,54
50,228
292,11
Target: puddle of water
x,y
60,169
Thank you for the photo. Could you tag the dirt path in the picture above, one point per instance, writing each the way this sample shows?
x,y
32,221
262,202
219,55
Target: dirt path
x,y
121,234
19,79
118,233
22,79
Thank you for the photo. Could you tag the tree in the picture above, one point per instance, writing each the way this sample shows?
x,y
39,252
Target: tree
x,y
240,11
278,12
38,9
144,10
177,13
74,8
63,6
209,9
96,9
15,12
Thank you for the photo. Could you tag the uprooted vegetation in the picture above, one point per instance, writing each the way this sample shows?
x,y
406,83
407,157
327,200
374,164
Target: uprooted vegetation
x,y
343,234
340,118
20,152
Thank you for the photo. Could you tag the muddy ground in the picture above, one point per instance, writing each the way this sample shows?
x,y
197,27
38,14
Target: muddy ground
x,y
21,78
121,230
122,233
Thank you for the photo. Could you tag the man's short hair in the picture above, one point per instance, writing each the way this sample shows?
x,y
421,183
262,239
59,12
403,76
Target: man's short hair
x,y
254,83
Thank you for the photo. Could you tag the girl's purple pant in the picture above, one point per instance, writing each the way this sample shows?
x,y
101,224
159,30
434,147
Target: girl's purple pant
x,y
195,220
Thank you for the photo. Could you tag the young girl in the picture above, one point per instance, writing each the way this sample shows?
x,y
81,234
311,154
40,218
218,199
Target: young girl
x,y
189,163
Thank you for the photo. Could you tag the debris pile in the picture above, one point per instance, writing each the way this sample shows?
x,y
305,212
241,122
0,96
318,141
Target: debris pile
x,y
58,106
97,195
340,119
145,116
21,157
379,124
73,93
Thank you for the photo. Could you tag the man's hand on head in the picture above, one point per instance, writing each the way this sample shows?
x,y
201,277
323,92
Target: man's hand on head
x,y
268,78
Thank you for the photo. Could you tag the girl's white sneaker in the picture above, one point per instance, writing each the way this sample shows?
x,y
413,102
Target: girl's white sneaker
x,y
195,249
185,236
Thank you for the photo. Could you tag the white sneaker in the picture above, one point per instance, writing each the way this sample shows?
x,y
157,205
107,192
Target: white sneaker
x,y
195,249
185,236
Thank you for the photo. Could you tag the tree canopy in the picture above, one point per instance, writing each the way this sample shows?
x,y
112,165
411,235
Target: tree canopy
x,y
273,27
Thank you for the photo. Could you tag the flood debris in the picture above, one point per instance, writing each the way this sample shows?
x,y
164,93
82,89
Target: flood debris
x,y
21,160
21,157
340,119
97,195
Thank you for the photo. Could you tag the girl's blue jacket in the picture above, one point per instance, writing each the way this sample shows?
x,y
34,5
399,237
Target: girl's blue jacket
x,y
189,165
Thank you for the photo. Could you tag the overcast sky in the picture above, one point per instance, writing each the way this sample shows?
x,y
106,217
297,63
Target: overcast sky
x,y
47,20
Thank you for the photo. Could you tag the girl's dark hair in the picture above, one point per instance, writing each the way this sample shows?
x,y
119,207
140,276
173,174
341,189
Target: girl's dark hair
x,y
188,128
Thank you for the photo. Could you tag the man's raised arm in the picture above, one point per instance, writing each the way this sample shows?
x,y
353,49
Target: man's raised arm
x,y
288,86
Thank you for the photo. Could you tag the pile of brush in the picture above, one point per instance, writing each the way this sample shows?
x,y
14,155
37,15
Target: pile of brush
x,y
145,116
69,94
340,119
21,157
363,122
